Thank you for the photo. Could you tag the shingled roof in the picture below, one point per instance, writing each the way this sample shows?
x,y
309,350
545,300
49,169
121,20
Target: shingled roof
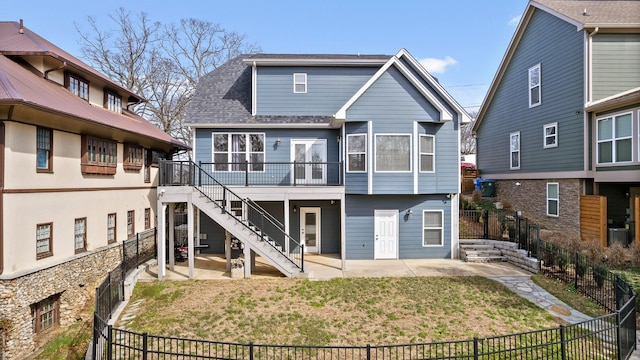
x,y
224,95
597,13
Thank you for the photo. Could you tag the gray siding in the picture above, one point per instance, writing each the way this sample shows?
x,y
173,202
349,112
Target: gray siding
x,y
393,104
356,183
359,224
616,64
215,235
273,153
558,48
328,88
329,224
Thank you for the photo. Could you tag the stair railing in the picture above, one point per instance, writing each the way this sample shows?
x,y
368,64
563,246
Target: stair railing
x,y
251,215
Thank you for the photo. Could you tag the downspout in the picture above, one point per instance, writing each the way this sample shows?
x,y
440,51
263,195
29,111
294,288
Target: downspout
x,y
46,73
2,153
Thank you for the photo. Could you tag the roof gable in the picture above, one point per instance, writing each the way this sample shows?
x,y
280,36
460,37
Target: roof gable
x,y
395,61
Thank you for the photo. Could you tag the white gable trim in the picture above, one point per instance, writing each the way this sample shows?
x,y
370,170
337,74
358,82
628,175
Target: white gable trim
x,y
445,115
464,116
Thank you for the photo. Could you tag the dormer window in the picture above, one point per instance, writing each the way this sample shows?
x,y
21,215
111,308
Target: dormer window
x,y
78,87
113,102
299,83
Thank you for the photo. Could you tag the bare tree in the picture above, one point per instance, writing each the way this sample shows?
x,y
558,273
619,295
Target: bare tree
x,y
467,140
161,63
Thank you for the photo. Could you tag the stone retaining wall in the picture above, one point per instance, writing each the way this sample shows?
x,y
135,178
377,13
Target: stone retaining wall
x,y
75,281
515,256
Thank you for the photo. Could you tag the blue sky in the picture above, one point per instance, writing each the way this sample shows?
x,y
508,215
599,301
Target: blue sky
x,y
461,42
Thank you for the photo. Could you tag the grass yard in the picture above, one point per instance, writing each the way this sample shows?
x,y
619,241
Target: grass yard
x,y
342,311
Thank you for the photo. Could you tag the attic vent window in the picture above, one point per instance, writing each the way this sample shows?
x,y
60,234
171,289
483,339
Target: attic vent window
x,y
299,83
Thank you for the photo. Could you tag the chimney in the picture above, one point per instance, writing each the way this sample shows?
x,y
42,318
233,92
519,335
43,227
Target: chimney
x,y
21,30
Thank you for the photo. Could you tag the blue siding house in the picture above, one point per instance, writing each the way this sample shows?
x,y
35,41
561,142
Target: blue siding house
x,y
355,155
559,128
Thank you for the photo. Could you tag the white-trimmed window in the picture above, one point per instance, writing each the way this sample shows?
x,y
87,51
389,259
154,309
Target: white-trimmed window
x,y
80,235
299,83
231,151
393,153
427,153
535,94
111,228
551,135
514,150
553,199
615,139
357,153
432,228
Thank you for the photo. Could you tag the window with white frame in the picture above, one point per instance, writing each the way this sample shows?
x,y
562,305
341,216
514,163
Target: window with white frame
x,y
393,153
231,151
432,228
514,150
80,235
299,83
357,153
551,135
111,228
535,95
615,139
553,199
427,153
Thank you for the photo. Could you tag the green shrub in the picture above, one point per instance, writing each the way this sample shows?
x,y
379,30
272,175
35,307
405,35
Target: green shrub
x,y
600,274
563,260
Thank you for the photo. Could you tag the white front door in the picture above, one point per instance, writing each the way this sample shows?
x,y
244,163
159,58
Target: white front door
x,y
312,156
386,234
310,229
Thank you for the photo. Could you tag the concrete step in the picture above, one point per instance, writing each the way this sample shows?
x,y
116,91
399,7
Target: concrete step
x,y
476,247
488,253
485,259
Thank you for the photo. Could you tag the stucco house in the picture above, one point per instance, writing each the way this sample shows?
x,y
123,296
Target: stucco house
x,y
559,128
294,154
78,173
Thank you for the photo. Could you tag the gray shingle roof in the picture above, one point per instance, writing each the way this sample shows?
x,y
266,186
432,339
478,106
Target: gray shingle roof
x,y
598,12
223,96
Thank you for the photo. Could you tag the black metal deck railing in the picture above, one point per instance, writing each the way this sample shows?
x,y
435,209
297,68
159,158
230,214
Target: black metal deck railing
x,y
244,210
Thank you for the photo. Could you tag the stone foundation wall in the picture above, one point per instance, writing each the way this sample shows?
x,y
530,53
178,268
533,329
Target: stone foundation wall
x,y
75,281
530,197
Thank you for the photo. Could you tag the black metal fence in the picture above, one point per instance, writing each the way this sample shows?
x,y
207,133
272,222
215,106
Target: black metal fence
x,y
593,339
499,224
110,293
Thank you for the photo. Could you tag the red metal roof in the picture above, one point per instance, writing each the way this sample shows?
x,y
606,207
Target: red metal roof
x,y
19,86
12,42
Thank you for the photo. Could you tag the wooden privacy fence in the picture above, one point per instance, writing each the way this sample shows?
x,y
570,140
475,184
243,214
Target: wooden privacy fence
x,y
593,218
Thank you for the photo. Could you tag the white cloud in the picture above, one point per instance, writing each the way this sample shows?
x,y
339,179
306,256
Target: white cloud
x,y
438,66
514,21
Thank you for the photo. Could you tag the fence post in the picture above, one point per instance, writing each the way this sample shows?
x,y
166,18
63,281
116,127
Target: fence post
x,y
251,351
138,249
575,273
619,294
246,173
109,340
94,343
563,345
476,354
368,351
619,334
145,343
518,220
302,257
485,216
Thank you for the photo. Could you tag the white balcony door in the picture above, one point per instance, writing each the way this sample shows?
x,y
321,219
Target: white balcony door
x,y
308,152
310,229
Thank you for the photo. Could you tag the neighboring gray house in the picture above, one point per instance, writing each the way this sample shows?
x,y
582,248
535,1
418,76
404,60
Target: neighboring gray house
x,y
559,127
354,155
